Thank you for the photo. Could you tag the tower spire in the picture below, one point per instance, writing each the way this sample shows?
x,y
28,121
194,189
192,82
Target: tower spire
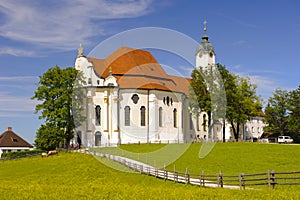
x,y
204,23
80,51
204,37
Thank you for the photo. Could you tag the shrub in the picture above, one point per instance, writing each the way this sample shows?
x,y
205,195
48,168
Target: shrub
x,y
20,154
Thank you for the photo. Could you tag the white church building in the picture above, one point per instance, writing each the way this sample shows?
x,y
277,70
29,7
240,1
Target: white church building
x,y
131,99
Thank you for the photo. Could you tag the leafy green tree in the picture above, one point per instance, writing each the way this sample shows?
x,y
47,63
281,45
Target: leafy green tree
x,y
277,113
207,95
54,93
294,108
48,137
244,103
241,99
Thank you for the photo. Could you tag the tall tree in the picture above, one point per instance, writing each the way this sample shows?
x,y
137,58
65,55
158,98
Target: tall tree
x,y
207,95
244,104
54,91
276,112
294,108
240,96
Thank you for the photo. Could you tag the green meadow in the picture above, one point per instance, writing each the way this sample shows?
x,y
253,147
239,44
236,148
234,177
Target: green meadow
x,y
82,176
229,158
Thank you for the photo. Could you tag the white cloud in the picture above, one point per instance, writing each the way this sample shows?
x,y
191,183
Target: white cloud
x,y
265,84
14,103
242,43
62,24
17,52
18,78
17,103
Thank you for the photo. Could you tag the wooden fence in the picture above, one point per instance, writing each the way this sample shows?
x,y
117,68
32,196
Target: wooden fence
x,y
269,178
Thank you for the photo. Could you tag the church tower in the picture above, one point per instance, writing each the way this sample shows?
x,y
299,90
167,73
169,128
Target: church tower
x,y
205,54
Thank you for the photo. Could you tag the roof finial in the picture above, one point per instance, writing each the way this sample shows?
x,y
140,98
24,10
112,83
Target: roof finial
x,y
204,23
80,51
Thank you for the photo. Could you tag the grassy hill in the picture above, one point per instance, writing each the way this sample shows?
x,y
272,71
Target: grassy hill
x,y
80,176
230,158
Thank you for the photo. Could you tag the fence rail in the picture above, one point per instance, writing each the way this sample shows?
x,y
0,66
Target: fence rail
x,y
269,178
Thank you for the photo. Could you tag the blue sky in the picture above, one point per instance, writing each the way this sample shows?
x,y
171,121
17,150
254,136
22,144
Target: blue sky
x,y
258,39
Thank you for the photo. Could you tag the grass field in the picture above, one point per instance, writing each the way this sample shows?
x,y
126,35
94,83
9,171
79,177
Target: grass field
x,y
81,176
230,158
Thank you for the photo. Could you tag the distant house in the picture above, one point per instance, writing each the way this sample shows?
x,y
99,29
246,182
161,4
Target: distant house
x,y
11,142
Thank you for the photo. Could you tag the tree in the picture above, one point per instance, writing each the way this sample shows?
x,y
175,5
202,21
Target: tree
x,y
48,137
243,104
276,112
241,100
294,114
207,95
54,91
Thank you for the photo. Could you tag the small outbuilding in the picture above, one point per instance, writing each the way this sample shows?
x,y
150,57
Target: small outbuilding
x,y
11,142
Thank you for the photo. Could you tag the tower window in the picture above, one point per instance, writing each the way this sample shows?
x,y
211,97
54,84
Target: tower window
x,y
127,116
143,116
160,117
211,54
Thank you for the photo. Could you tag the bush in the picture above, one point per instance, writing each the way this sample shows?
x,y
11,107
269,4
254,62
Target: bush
x,y
21,153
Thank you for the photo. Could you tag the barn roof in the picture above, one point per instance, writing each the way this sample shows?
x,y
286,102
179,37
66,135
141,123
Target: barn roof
x,y
136,68
11,139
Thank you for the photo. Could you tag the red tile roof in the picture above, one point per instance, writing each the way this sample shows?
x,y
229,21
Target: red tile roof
x,y
10,139
136,68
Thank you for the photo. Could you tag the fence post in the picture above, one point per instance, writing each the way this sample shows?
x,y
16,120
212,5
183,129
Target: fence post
x,y
269,178
174,173
220,180
165,172
141,169
187,176
273,179
242,180
202,181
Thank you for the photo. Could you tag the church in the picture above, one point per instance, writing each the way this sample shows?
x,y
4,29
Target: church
x,y
131,99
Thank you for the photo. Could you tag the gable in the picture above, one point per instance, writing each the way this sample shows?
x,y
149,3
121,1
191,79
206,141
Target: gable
x,y
10,139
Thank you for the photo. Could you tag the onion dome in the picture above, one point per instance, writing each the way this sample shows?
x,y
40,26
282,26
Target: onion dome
x,y
205,46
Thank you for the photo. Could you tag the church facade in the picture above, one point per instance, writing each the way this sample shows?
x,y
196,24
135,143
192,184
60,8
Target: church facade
x,y
131,99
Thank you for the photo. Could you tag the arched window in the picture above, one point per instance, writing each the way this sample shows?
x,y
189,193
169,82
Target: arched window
x,y
175,118
98,138
160,117
143,116
127,115
198,122
98,115
191,121
204,122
